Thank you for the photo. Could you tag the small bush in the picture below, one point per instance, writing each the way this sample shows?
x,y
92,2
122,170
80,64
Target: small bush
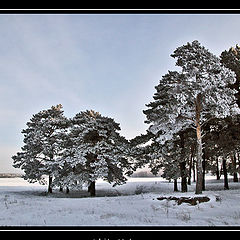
x,y
139,189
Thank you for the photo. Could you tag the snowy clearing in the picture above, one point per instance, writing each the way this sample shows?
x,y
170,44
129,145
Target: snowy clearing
x,y
132,204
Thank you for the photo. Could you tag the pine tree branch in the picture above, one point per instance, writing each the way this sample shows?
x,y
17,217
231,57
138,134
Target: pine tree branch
x,y
203,124
187,118
193,127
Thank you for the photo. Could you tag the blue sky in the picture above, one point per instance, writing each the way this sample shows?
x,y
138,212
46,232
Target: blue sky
x,y
106,62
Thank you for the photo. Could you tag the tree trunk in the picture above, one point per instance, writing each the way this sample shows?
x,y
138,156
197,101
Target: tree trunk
x,y
50,184
175,185
204,168
199,146
190,166
199,168
226,187
194,170
67,190
234,166
183,177
182,165
92,189
217,170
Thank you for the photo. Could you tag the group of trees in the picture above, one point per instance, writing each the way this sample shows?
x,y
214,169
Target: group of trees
x,y
194,127
73,152
195,115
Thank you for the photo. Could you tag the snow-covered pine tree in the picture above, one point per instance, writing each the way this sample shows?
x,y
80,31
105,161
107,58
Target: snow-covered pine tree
x,y
192,97
172,157
166,128
42,140
231,60
97,151
140,150
165,159
223,140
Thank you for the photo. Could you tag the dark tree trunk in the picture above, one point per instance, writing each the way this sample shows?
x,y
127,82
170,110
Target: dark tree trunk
x,y
190,166
183,177
92,189
175,185
234,166
203,169
67,190
194,170
50,184
189,180
61,189
183,166
217,170
226,187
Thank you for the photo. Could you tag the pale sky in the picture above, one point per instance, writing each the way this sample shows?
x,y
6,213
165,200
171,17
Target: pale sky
x,y
106,62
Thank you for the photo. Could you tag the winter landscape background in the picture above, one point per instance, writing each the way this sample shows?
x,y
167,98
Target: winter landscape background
x,y
106,62
134,204
77,93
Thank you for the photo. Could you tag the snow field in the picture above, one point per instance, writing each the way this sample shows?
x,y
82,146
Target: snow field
x,y
132,204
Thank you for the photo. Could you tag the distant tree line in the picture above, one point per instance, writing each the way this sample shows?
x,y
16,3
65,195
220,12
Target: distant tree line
x,y
194,129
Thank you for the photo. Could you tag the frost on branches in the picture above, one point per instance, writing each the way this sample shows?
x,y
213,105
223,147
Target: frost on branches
x,y
73,152
95,150
191,97
42,145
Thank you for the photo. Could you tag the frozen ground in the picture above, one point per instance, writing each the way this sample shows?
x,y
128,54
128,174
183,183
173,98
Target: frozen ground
x,y
132,204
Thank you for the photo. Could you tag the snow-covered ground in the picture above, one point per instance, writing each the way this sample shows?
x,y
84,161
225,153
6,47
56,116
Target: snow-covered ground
x,y
132,204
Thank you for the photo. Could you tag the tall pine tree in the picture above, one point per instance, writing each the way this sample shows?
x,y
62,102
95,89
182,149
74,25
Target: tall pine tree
x,y
42,140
